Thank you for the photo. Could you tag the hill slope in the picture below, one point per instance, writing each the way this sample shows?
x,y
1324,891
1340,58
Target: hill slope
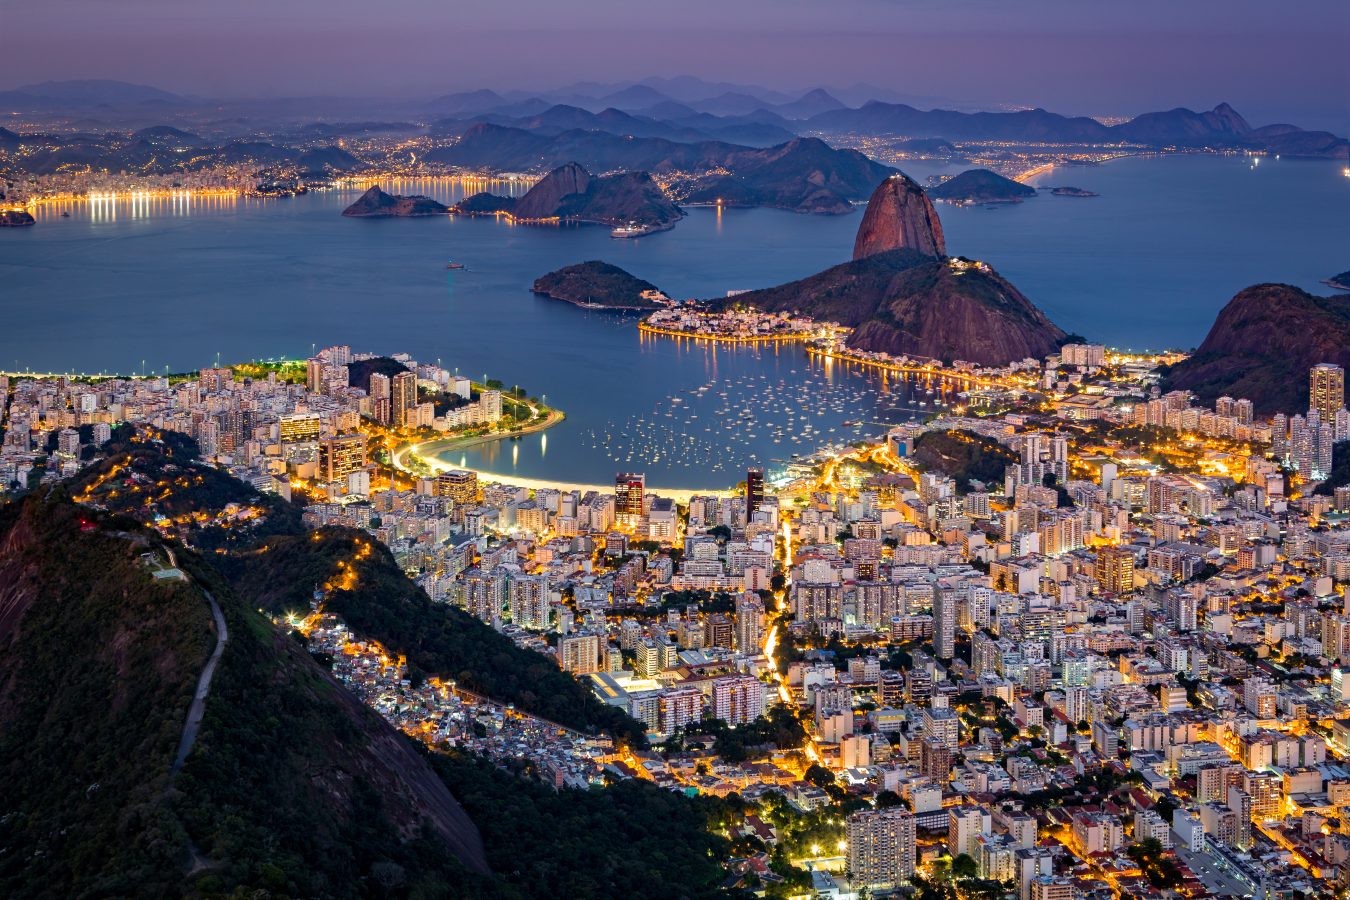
x,y
981,186
375,203
1262,345
571,192
292,786
597,283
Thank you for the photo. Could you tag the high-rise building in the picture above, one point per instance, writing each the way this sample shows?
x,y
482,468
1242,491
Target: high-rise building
x,y
299,428
754,491
459,485
314,375
1326,390
737,699
579,653
341,456
629,489
679,707
749,624
944,623
881,847
402,398
964,825
1115,570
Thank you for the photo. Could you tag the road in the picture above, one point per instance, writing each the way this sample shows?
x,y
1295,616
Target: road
x,y
198,707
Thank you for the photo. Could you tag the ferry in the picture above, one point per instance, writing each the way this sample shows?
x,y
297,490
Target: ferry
x,y
634,230
451,264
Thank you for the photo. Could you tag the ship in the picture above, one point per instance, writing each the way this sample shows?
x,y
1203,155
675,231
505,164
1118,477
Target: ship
x,y
451,264
636,230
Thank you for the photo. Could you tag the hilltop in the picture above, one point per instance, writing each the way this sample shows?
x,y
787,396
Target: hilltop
x,y
599,284
570,192
1262,345
981,186
292,786
375,203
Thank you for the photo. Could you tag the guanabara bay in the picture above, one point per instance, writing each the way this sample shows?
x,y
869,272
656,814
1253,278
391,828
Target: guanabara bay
x,y
497,451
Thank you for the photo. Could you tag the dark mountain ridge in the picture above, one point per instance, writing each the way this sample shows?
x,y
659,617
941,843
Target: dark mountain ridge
x,y
981,186
571,193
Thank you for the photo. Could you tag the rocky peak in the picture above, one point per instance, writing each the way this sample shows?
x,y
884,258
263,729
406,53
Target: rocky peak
x,y
899,216
545,198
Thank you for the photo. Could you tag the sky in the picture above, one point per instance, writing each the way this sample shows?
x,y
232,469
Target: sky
x,y
1274,60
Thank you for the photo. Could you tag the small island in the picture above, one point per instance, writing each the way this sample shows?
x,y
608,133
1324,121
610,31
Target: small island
x,y
599,285
626,200
16,218
1340,282
376,204
1067,191
981,186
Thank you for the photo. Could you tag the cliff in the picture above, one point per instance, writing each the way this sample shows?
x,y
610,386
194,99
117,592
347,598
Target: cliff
x,y
571,192
981,186
291,786
903,302
1262,345
597,283
375,203
899,216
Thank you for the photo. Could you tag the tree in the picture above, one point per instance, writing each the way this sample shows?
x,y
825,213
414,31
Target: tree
x,y
819,776
964,866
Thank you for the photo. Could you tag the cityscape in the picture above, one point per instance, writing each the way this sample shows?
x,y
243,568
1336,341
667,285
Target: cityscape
x,y
896,581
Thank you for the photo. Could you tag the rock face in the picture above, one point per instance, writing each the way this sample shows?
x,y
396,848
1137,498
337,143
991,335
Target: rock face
x,y
981,186
899,217
599,284
1262,345
570,192
905,302
375,203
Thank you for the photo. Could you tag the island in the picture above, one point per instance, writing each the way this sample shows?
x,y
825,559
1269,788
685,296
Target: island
x,y
376,204
1067,191
1340,282
599,285
16,218
572,194
981,186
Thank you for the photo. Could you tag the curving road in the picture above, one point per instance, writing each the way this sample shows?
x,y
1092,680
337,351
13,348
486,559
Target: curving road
x,y
198,707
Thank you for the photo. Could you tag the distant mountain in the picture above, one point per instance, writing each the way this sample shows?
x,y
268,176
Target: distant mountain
x,y
571,192
167,136
96,93
154,151
813,103
376,204
598,284
468,102
1220,127
804,174
899,216
291,785
638,96
1262,345
1340,282
981,186
9,140
731,103
692,128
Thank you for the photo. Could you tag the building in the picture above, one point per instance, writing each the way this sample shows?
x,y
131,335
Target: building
x,y
1097,833
629,489
402,399
1326,390
944,623
964,826
302,428
579,653
881,847
1115,570
737,699
341,456
459,485
754,491
679,707
749,624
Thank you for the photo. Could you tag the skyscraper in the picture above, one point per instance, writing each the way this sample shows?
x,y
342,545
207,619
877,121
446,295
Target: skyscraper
x,y
754,491
944,623
341,456
1115,570
402,398
629,489
881,847
459,485
1326,390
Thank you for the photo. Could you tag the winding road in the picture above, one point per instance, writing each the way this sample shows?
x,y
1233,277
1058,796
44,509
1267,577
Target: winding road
x,y
198,707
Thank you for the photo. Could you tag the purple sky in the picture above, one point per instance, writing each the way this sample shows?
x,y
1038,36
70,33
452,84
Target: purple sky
x,y
1273,59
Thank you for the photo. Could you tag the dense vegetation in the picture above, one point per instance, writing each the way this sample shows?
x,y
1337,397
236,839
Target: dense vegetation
x,y
292,787
360,370
981,186
1340,469
631,839
963,456
597,283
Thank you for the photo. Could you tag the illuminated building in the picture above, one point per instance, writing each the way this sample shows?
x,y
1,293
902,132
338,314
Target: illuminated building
x,y
579,653
749,623
738,699
314,375
629,489
1326,390
459,485
679,707
402,399
341,456
754,491
1115,570
300,428
881,847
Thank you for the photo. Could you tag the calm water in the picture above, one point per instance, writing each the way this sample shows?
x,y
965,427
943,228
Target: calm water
x,y
176,283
